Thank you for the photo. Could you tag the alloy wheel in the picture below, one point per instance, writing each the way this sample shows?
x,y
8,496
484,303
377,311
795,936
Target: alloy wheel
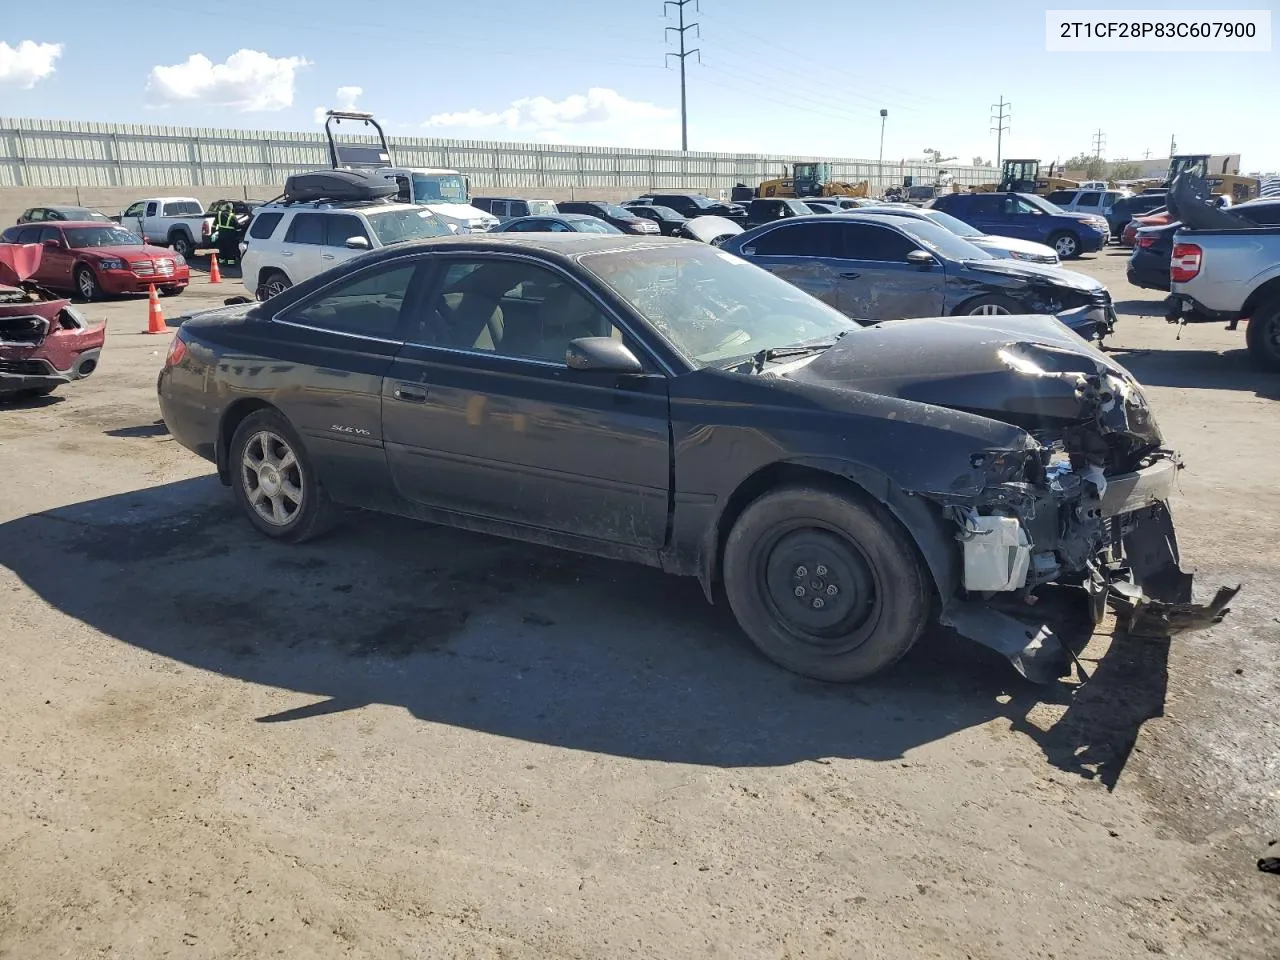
x,y
272,478
989,310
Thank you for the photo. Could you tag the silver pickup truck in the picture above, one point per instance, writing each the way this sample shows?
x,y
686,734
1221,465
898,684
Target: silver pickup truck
x,y
1230,272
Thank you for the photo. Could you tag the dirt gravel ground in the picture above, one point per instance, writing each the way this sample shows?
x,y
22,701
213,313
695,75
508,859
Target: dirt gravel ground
x,y
404,741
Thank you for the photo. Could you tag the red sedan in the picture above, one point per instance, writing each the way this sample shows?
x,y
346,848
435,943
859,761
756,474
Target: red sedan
x,y
1157,218
99,259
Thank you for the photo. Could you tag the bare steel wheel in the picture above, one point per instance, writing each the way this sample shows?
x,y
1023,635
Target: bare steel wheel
x,y
274,481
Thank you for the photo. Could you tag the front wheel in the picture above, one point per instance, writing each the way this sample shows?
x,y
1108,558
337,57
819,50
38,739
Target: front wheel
x,y
274,481
272,284
1262,334
825,585
1066,243
87,285
171,291
992,305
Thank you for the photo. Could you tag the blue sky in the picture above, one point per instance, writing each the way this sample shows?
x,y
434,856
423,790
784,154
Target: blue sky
x,y
592,73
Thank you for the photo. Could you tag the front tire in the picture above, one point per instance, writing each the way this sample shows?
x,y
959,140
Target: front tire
x,y
87,285
992,305
826,585
1262,334
274,481
272,284
1066,243
171,291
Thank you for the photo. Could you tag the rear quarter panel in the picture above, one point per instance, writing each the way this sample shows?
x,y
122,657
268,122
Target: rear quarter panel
x,y
1233,265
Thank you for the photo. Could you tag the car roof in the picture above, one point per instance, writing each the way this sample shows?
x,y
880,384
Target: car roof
x,y
567,245
74,223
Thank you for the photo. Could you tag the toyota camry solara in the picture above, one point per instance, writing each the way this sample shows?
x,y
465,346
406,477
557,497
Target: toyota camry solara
x,y
665,402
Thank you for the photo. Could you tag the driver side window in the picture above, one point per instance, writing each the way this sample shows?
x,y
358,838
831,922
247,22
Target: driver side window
x,y
368,304
135,210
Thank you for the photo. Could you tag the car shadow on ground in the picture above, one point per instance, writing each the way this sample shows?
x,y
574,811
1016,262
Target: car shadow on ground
x,y
157,429
18,401
1203,369
519,641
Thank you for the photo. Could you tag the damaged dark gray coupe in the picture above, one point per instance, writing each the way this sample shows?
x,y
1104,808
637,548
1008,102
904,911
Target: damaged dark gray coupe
x,y
664,402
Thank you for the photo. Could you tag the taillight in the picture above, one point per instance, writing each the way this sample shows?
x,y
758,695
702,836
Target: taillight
x,y
1146,241
177,351
1185,263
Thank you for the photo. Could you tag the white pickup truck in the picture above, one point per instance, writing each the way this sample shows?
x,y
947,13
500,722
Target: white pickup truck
x,y
177,222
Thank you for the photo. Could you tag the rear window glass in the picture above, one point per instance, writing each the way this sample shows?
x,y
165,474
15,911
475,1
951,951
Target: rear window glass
x,y
264,224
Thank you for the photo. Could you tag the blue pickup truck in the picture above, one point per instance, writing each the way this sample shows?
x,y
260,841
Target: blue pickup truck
x,y
1028,217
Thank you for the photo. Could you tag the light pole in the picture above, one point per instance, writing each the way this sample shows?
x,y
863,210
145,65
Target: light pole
x,y
880,164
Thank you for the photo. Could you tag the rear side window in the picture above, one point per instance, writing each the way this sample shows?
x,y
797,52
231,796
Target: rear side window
x,y
264,224
1088,199
306,228
801,240
182,208
369,304
866,241
342,227
1062,197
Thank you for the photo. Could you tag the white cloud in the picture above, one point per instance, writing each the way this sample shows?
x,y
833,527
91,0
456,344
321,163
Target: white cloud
x,y
344,98
249,80
601,116
28,63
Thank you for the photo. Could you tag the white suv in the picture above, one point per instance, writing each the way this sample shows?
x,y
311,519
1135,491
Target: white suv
x,y
288,243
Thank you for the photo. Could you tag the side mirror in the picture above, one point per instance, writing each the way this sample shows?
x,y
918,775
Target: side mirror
x,y
358,243
920,258
602,354
53,244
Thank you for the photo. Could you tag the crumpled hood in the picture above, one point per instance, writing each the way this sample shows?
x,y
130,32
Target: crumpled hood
x,y
1037,271
708,228
996,242
1028,371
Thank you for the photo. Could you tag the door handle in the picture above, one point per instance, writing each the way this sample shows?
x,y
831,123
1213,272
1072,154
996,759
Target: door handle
x,y
851,276
410,395
326,256
286,253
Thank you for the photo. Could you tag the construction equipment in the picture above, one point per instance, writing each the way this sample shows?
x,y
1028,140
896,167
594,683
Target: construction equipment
x,y
1224,182
1023,176
810,180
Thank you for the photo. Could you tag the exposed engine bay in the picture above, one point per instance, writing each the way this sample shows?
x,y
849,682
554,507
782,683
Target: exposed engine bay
x,y
44,341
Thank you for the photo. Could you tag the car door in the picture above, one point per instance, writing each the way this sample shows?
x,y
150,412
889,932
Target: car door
x,y
807,255
329,353
56,260
131,219
303,244
983,211
1090,201
339,228
483,417
1020,219
876,282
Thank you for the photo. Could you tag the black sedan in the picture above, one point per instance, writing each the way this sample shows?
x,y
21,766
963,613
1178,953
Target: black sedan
x,y
560,223
669,222
885,267
1148,265
659,401
62,215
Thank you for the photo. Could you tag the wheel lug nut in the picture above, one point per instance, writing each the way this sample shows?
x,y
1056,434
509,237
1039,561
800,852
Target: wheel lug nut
x,y
822,570
832,590
800,591
802,571
818,603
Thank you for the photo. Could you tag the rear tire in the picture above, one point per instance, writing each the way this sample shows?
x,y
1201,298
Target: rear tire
x,y
181,245
1066,243
1262,334
275,282
826,585
274,481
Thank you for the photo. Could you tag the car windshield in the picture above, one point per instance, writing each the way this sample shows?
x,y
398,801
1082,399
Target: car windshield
x,y
439,188
81,213
940,240
593,226
702,203
79,238
613,210
713,307
666,213
1042,203
954,224
541,208
397,226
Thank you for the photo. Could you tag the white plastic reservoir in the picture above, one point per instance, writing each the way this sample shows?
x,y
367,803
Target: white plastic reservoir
x,y
997,554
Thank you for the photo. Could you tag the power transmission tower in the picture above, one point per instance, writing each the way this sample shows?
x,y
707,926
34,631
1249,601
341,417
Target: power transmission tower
x,y
1099,141
682,56
998,118
1173,145
1146,154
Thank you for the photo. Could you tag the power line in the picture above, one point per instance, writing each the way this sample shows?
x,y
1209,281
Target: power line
x,y
684,54
999,118
1099,141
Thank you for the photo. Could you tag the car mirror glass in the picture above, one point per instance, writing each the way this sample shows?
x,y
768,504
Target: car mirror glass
x,y
920,258
602,354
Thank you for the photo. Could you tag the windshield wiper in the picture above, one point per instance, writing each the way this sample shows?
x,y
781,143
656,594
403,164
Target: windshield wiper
x,y
799,350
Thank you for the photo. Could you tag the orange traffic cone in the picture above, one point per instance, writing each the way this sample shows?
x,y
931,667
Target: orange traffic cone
x,y
214,275
155,316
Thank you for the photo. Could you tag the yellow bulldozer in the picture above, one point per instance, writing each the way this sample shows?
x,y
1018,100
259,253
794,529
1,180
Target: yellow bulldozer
x,y
810,180
1221,182
1023,176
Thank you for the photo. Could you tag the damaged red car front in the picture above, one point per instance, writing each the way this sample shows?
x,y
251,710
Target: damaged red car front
x,y
44,341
